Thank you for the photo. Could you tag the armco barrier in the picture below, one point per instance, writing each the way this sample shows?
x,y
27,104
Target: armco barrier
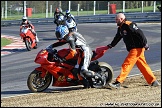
x,y
107,18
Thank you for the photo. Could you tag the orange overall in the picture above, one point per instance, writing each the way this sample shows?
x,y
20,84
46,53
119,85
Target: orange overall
x,y
136,56
136,44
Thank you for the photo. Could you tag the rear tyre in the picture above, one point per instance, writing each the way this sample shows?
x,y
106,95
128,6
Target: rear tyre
x,y
106,71
35,47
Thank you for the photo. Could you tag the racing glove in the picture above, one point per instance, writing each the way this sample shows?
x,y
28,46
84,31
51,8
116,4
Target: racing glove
x,y
49,48
61,60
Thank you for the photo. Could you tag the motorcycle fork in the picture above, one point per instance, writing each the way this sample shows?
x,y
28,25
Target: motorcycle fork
x,y
44,73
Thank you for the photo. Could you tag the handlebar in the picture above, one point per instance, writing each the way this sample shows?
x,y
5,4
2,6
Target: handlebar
x,y
52,54
26,26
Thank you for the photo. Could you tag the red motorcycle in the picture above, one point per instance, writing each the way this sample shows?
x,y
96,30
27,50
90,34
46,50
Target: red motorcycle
x,y
28,37
64,74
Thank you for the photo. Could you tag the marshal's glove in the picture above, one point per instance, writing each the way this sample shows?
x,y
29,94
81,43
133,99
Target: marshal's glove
x,y
146,47
109,46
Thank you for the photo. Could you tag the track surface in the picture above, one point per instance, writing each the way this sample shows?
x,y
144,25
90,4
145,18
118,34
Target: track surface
x,y
134,92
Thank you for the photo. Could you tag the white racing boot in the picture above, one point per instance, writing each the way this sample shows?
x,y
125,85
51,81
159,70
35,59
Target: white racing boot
x,y
37,40
35,34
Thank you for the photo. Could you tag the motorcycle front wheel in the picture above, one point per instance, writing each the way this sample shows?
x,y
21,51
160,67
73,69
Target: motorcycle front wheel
x,y
28,44
36,83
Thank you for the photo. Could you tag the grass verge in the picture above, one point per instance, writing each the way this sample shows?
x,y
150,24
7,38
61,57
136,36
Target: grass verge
x,y
5,41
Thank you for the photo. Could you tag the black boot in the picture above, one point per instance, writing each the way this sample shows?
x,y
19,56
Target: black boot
x,y
87,74
155,83
75,73
85,83
92,74
115,85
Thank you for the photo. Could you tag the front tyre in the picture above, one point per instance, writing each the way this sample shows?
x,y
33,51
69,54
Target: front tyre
x,y
28,44
36,83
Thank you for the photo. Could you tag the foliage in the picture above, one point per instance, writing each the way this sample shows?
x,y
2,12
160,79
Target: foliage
x,y
81,13
40,7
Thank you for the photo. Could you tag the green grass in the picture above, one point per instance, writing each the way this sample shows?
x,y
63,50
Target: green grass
x,y
5,41
81,13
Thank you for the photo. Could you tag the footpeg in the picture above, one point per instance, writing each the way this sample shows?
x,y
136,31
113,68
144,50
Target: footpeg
x,y
68,79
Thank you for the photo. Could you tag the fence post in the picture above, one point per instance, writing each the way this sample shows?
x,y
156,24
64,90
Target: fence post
x,y
123,6
5,9
46,9
78,10
142,7
50,10
2,12
154,6
24,8
69,5
108,7
94,8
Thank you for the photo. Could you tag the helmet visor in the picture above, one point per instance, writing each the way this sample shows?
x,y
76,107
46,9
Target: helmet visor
x,y
23,20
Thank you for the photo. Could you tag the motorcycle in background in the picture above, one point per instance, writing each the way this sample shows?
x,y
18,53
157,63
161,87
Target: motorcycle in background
x,y
71,24
65,74
28,37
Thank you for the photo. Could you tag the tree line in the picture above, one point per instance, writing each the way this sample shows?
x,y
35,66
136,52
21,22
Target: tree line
x,y
40,6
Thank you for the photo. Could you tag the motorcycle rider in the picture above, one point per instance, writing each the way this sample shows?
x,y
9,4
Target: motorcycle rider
x,y
57,14
69,17
75,40
61,20
26,22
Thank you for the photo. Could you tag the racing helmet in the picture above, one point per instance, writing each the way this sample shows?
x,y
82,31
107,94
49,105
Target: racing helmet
x,y
67,12
61,20
24,18
57,10
61,31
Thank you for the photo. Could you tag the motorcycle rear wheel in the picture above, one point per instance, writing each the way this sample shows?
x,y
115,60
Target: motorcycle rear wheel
x,y
36,83
35,47
106,71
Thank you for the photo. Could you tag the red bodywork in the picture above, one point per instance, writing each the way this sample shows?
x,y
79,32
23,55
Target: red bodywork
x,y
61,71
26,34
